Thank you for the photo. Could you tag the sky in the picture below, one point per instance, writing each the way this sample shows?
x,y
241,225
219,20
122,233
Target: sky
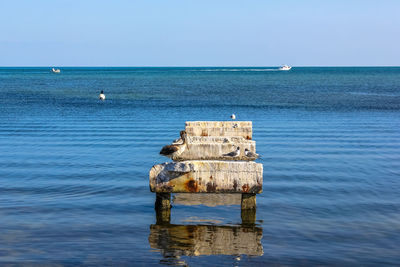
x,y
199,33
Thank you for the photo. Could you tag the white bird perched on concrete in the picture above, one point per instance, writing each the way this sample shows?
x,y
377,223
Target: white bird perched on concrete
x,y
102,96
235,153
233,117
250,154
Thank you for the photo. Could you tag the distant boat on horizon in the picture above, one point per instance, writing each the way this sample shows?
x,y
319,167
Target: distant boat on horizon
x,y
53,70
285,67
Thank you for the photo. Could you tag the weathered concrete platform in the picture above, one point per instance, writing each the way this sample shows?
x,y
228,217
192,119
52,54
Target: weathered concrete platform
x,y
214,148
211,176
220,128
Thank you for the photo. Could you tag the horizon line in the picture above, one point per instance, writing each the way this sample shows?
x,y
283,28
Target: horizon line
x,y
204,66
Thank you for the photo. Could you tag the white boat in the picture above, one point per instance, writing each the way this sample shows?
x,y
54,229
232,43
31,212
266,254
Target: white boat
x,y
53,70
285,67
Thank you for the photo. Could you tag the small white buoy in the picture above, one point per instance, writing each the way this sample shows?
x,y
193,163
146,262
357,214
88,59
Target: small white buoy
x,y
233,116
102,96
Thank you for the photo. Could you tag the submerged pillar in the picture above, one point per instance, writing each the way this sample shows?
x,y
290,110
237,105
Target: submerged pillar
x,y
163,207
248,208
248,201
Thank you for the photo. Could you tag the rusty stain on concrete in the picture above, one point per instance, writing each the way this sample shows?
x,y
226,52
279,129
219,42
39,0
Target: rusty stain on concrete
x,y
211,187
245,188
192,186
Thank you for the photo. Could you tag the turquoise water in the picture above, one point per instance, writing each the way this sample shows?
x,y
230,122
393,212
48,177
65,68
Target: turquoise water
x,y
74,171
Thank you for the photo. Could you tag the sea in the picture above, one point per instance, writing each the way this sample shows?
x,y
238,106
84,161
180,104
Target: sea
x,y
74,170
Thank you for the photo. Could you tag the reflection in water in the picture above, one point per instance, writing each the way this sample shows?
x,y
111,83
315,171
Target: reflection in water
x,y
196,240
204,239
207,199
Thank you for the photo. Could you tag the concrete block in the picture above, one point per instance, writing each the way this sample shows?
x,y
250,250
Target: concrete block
x,y
211,176
220,128
214,148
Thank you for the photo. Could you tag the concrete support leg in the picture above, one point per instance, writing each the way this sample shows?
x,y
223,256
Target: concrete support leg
x,y
248,217
163,207
248,212
248,201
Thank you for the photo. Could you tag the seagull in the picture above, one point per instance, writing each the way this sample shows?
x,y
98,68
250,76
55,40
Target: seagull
x,y
250,154
235,153
233,116
174,149
102,96
179,141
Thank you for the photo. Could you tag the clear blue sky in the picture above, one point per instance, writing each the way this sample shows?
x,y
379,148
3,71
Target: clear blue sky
x,y
199,33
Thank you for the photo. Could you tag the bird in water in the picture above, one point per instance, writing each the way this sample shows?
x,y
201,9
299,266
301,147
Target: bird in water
x,y
102,96
250,154
234,153
233,117
176,148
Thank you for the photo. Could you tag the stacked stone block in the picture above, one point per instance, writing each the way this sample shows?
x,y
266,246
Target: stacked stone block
x,y
203,163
